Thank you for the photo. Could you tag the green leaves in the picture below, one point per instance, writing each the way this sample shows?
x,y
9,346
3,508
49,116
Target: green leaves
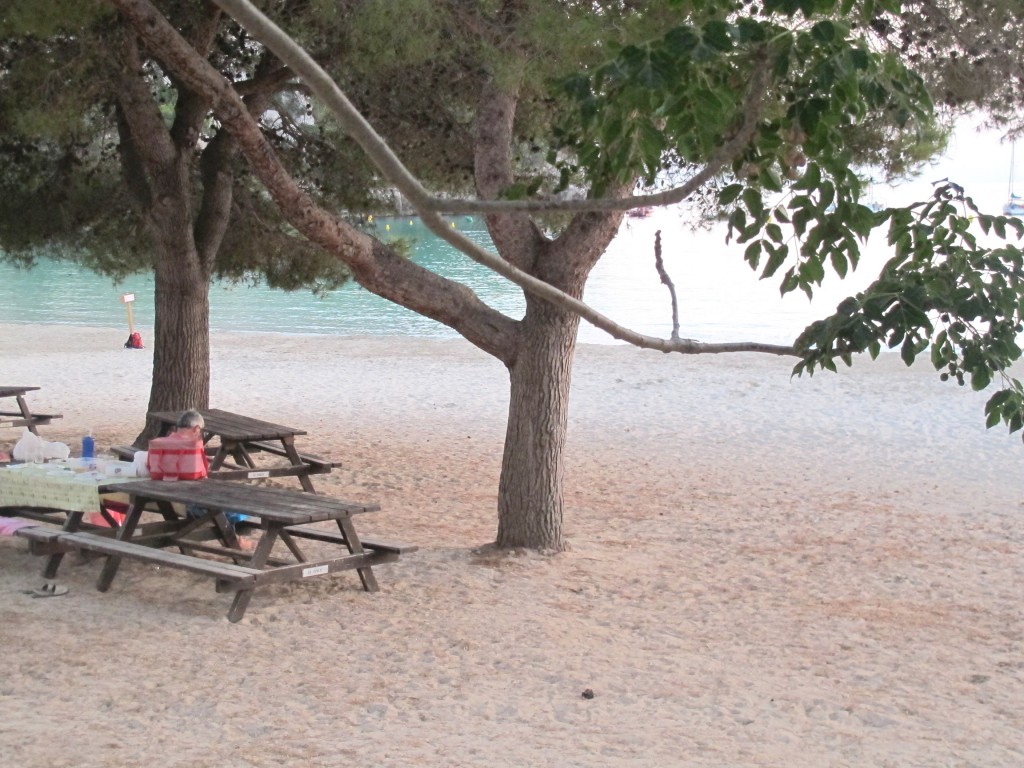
x,y
940,292
790,198
1006,405
679,94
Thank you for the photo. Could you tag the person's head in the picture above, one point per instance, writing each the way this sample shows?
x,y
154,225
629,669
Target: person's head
x,y
191,423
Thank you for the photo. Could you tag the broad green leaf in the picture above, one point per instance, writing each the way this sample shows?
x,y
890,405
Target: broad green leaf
x,y
718,35
752,254
752,200
824,31
981,377
908,351
729,194
777,257
839,263
811,178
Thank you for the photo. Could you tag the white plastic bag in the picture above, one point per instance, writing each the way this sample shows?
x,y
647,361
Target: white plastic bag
x,y
29,447
141,470
55,450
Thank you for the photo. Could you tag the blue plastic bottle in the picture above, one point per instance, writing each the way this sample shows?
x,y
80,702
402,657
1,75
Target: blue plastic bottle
x,y
88,447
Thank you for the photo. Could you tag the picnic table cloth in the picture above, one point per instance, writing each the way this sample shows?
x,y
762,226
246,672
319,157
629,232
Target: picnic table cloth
x,y
52,486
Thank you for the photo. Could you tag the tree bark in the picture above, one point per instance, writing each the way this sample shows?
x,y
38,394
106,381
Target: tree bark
x,y
161,171
181,348
530,500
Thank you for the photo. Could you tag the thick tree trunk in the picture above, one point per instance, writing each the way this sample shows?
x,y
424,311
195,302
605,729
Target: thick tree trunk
x,y
159,166
530,496
181,347
530,502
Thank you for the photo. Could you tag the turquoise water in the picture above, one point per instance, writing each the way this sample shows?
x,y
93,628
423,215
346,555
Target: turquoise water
x,y
720,298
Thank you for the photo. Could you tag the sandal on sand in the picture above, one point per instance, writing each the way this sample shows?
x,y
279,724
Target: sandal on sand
x,y
49,589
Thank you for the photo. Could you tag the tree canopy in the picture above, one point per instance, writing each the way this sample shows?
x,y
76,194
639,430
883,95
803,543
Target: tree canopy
x,y
521,108
70,186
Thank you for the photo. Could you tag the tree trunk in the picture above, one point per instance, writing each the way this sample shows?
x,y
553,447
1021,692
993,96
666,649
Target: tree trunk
x,y
186,223
538,351
181,347
530,501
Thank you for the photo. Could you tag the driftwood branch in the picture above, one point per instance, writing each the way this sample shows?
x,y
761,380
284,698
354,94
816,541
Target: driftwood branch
x,y
667,282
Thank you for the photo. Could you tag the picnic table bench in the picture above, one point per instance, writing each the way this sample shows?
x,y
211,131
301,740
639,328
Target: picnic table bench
x,y
23,416
239,438
284,515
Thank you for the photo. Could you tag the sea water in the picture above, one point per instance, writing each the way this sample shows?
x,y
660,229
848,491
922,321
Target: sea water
x,y
720,298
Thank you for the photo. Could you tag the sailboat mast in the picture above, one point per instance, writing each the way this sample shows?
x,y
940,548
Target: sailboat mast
x,y
1013,148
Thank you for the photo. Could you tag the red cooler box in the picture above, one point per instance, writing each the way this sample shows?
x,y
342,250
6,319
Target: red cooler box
x,y
176,457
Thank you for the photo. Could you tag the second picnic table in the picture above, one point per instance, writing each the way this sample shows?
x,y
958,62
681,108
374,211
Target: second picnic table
x,y
240,437
23,417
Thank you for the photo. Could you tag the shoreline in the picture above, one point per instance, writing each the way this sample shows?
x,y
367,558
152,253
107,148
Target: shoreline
x,y
763,571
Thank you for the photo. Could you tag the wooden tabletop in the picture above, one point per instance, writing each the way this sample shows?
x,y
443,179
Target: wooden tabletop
x,y
278,505
233,426
9,390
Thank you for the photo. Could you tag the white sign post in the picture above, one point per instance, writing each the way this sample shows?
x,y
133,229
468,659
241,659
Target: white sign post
x,y
128,298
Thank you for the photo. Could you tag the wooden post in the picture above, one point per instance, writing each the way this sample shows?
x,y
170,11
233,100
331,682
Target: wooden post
x,y
128,298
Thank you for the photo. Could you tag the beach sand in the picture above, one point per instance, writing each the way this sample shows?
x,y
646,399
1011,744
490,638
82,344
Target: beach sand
x,y
764,571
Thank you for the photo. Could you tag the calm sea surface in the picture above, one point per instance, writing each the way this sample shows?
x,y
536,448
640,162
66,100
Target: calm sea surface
x,y
720,298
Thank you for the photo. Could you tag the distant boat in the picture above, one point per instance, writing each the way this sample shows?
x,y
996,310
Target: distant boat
x,y
1014,203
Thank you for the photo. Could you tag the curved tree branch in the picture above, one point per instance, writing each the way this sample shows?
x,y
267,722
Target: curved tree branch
x,y
265,30
350,245
321,84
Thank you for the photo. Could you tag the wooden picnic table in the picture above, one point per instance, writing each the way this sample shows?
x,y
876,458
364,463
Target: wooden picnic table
x,y
48,494
239,437
180,541
23,417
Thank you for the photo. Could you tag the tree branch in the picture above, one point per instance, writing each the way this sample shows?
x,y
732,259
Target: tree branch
x,y
659,265
307,69
263,29
351,246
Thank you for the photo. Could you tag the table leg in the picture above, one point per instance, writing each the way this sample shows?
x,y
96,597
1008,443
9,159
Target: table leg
x,y
218,458
293,546
71,524
293,456
243,456
259,559
124,533
27,414
348,530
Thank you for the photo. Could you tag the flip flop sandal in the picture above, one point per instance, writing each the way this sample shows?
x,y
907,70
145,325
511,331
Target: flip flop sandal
x,y
49,589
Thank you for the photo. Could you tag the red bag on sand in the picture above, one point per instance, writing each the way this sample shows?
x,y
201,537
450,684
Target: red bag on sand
x,y
177,457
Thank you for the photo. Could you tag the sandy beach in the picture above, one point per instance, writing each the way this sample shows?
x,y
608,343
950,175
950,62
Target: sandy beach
x,y
764,571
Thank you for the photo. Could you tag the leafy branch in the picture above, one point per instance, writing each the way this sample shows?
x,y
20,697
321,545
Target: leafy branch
x,y
941,290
